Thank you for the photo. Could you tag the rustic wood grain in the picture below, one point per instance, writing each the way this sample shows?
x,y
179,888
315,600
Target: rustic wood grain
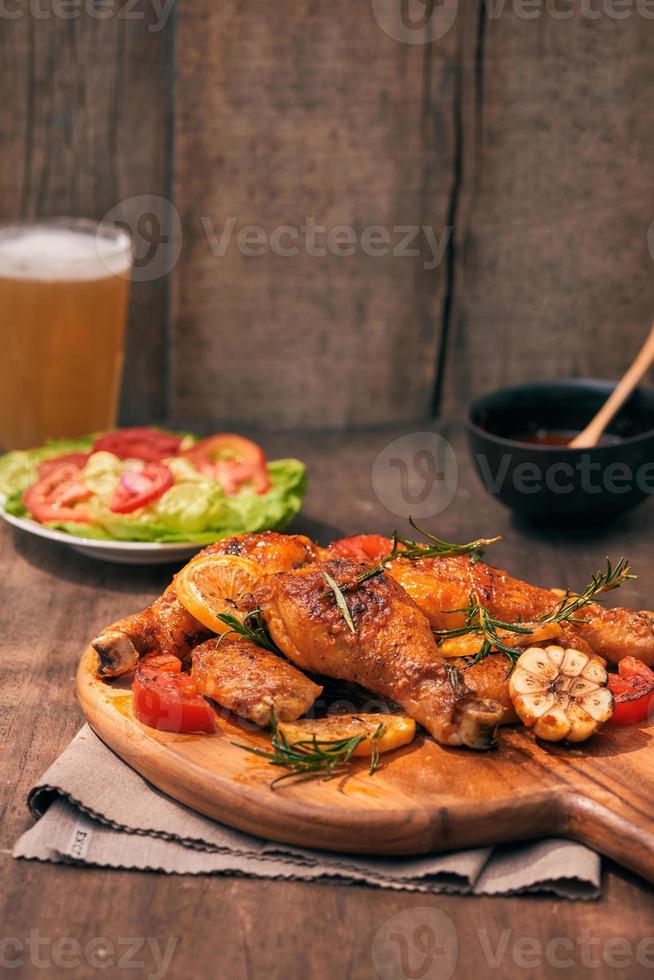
x,y
423,799
85,107
54,601
284,112
552,273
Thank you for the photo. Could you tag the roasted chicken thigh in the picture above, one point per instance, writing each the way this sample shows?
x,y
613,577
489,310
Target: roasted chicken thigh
x,y
251,681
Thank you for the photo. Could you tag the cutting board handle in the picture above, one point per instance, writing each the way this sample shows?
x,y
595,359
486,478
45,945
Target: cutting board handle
x,y
616,828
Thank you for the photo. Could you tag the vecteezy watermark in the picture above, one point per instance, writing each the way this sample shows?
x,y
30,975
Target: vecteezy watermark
x,y
425,21
416,475
153,13
155,229
419,943
318,240
144,953
586,474
415,21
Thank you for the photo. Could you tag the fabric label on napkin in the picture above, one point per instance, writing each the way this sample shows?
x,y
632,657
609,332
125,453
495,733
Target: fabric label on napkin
x,y
80,840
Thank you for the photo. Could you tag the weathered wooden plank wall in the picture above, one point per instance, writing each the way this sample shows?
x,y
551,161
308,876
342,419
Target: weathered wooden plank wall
x,y
85,121
522,139
287,112
553,276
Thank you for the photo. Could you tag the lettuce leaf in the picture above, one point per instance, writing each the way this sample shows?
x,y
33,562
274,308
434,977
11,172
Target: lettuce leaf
x,y
199,512
18,469
14,504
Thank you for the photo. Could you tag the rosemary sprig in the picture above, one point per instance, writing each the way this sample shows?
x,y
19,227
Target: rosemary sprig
x,y
433,547
479,622
572,602
340,600
252,628
311,756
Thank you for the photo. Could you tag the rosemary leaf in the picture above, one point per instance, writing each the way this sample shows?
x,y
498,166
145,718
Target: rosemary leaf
x,y
601,582
313,756
433,547
252,628
340,600
479,622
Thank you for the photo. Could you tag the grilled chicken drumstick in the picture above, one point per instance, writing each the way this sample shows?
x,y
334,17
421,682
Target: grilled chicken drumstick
x,y
167,627
443,586
391,651
439,585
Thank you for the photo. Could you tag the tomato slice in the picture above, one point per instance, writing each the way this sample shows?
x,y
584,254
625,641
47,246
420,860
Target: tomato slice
x,y
138,487
78,460
633,691
167,699
149,445
363,547
231,460
53,496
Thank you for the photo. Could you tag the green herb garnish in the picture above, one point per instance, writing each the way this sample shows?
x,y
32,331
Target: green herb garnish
x,y
252,628
480,622
340,600
573,602
313,756
433,547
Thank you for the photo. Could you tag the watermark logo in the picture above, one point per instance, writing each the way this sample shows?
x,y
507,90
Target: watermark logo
x,y
586,475
155,228
153,13
37,951
317,240
417,944
415,21
416,475
425,21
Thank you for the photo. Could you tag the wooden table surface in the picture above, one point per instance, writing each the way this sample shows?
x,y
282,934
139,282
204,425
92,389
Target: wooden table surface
x,y
53,603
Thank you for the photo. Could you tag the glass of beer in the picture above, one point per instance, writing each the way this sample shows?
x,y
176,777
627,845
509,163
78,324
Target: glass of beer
x,y
64,286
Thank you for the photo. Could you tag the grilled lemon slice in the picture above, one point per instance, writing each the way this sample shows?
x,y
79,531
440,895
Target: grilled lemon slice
x,y
561,694
396,730
214,585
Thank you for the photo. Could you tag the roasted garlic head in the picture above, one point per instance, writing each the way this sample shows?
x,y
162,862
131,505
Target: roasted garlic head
x,y
561,694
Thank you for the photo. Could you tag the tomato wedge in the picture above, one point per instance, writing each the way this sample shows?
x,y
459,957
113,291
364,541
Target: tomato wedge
x,y
364,547
138,487
231,460
633,691
167,699
149,445
78,460
53,496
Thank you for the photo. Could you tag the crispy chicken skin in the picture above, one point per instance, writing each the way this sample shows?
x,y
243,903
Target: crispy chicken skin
x,y
166,626
440,585
489,679
392,651
251,682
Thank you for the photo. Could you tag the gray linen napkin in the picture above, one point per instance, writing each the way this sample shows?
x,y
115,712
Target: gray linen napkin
x,y
94,810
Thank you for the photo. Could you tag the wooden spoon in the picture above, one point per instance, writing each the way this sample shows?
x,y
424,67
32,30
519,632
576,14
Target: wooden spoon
x,y
591,434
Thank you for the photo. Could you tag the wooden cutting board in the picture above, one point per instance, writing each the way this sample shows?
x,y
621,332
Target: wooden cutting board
x,y
424,798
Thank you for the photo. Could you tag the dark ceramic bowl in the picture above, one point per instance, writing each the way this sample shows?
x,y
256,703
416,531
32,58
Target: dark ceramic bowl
x,y
554,483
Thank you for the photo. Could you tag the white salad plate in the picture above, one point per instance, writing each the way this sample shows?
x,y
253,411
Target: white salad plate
x,y
123,552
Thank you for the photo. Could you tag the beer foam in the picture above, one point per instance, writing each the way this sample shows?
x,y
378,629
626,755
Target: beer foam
x,y
48,252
